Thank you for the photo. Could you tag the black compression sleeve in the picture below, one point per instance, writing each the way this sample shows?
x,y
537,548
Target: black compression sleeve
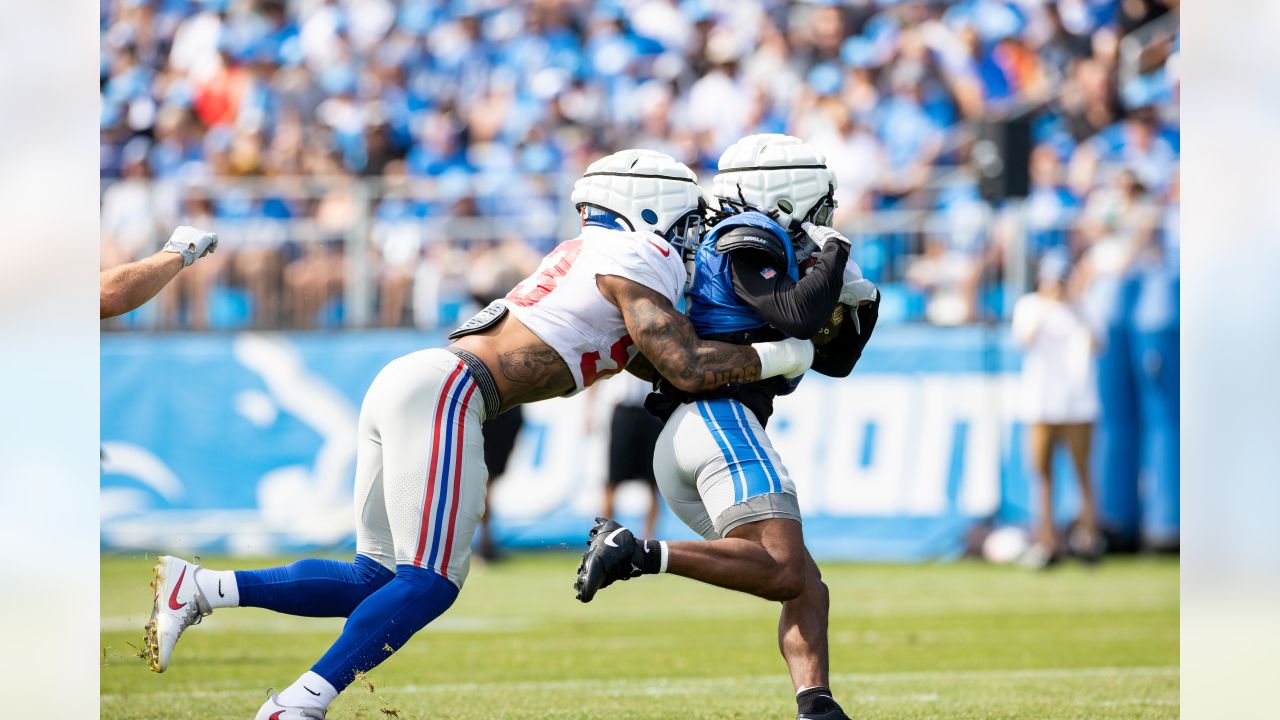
x,y
798,309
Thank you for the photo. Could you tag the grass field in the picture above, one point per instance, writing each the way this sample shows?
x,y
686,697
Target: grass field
x,y
936,641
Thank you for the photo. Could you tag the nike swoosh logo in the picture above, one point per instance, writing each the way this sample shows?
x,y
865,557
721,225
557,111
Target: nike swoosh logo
x,y
313,692
276,715
609,538
220,589
173,596
665,251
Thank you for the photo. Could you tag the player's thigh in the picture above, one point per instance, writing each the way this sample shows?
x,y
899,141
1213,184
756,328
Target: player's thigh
x,y
433,479
745,481
373,528
676,463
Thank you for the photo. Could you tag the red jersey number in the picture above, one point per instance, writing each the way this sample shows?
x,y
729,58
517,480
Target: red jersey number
x,y
540,284
619,353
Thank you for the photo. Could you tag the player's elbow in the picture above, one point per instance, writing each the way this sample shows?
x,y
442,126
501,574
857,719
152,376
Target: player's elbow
x,y
685,380
111,303
836,372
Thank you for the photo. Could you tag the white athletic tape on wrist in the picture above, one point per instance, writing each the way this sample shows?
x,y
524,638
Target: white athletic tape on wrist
x,y
662,567
782,357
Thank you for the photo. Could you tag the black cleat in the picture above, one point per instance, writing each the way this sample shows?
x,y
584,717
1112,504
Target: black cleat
x,y
613,553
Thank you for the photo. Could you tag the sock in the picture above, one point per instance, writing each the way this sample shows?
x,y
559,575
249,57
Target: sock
x,y
219,587
385,621
310,690
312,588
816,700
654,559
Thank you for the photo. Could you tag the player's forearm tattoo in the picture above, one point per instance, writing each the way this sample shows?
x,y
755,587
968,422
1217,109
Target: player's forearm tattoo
x,y
643,369
529,364
668,340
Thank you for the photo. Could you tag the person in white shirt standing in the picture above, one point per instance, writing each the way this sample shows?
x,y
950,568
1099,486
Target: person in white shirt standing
x,y
1059,401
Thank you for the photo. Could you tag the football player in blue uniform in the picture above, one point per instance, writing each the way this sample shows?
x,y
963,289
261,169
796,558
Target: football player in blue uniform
x,y
594,302
715,465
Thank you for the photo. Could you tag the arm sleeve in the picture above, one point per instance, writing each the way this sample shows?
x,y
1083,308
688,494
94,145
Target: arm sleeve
x,y
837,358
798,309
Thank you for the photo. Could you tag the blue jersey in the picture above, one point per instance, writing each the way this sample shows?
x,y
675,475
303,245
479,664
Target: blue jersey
x,y
714,306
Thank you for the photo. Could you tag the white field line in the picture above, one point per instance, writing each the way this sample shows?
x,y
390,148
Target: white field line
x,y
674,685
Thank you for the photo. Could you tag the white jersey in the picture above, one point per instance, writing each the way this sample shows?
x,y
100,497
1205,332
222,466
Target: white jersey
x,y
561,304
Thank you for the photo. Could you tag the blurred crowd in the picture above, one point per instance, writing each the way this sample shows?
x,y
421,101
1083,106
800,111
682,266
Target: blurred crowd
x,y
443,136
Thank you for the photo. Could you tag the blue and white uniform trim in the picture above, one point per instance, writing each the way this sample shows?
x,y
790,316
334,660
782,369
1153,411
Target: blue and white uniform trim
x,y
749,463
718,470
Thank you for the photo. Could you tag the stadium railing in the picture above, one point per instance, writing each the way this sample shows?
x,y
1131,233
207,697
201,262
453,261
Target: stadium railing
x,y
961,264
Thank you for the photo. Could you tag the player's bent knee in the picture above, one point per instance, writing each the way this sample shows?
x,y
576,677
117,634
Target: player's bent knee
x,y
788,585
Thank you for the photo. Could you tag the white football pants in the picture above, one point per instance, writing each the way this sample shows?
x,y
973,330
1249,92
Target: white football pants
x,y
717,469
420,472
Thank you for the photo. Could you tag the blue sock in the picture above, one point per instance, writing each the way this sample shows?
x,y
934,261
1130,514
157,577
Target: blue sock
x,y
313,588
385,621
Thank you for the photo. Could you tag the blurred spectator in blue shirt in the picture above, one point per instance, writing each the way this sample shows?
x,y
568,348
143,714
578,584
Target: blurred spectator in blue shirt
x,y
1050,206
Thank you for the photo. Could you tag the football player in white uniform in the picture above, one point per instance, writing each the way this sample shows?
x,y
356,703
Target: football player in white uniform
x,y
593,304
715,465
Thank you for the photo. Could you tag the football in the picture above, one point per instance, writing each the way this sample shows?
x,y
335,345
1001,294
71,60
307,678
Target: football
x,y
831,327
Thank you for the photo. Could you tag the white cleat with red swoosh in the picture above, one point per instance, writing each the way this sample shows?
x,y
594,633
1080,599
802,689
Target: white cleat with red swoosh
x,y
273,710
178,604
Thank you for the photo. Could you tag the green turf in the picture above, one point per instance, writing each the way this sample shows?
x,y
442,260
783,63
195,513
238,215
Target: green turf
x,y
933,641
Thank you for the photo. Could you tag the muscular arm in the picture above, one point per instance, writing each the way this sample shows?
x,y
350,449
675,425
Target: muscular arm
x,y
125,287
798,309
643,369
667,339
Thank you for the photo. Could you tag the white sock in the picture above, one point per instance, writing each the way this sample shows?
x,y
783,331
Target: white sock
x,y
310,690
219,587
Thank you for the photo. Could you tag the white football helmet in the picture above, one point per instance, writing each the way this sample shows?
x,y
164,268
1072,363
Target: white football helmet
x,y
646,191
779,174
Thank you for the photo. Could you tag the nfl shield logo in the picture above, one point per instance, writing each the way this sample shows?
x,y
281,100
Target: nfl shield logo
x,y
768,273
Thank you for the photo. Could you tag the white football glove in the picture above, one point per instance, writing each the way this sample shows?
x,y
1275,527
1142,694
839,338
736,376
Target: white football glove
x,y
788,358
821,235
191,243
857,290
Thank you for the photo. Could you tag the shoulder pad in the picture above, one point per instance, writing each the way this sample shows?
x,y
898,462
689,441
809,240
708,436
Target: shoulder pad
x,y
752,230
